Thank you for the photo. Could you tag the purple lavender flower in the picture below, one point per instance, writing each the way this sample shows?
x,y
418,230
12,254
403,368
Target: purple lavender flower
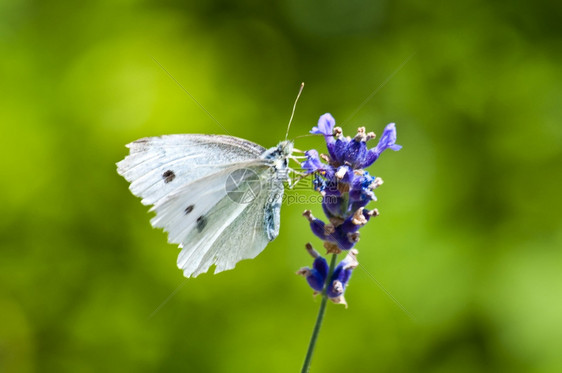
x,y
346,189
387,141
341,180
325,126
344,150
317,275
312,163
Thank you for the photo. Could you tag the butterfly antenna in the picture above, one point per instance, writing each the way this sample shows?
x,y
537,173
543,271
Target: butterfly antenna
x,y
293,113
306,135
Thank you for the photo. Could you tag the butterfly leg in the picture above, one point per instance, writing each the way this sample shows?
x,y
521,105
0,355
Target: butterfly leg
x,y
300,176
297,159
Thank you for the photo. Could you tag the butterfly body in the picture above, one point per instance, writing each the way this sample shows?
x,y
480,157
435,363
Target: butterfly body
x,y
279,156
218,197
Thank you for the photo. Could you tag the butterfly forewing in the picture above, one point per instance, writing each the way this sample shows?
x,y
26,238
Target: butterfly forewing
x,y
156,166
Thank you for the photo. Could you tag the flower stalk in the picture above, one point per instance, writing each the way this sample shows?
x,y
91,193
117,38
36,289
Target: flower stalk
x,y
319,318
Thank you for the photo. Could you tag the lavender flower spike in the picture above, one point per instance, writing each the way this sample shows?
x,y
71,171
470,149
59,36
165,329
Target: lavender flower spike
x,y
345,186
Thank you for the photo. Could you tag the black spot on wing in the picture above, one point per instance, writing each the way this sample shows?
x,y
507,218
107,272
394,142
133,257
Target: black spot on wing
x,y
188,209
168,176
201,223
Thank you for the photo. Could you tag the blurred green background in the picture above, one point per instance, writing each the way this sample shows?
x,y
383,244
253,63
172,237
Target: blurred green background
x,y
470,234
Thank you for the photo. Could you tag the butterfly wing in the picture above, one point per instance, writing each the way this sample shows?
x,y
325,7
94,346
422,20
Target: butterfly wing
x,y
156,166
214,226
201,206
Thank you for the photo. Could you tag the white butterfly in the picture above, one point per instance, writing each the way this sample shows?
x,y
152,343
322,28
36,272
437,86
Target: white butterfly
x,y
218,197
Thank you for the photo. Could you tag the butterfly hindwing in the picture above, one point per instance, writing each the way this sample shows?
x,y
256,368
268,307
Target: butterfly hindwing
x,y
218,225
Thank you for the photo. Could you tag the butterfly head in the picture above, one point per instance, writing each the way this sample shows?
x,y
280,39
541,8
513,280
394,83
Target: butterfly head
x,y
285,148
279,155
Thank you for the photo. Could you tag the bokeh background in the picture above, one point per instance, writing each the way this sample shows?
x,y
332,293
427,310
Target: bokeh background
x,y
469,238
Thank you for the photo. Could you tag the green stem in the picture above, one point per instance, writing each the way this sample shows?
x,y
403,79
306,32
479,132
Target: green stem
x,y
319,318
